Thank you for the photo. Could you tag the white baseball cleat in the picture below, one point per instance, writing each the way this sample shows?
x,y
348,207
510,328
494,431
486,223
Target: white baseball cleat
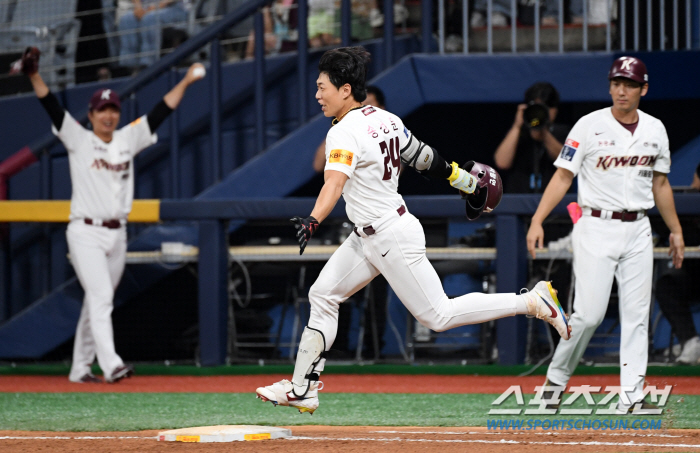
x,y
281,393
542,303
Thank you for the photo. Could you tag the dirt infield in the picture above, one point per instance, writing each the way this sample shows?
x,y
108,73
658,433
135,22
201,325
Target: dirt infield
x,y
364,438
334,383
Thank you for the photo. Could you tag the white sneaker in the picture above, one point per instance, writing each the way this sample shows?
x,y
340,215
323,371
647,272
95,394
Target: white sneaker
x,y
281,393
542,303
691,352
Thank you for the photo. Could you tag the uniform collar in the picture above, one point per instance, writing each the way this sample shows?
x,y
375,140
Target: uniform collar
x,y
337,119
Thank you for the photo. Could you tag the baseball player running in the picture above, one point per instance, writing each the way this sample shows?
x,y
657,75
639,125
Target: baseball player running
x,y
621,156
364,150
101,164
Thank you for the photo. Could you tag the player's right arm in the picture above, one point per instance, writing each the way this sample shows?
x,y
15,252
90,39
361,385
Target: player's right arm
x,y
320,157
553,194
48,100
568,165
330,194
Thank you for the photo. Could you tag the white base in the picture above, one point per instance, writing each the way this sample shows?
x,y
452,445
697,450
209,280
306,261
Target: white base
x,y
224,433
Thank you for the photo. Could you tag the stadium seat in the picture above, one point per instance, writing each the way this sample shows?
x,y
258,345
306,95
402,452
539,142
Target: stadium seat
x,y
51,26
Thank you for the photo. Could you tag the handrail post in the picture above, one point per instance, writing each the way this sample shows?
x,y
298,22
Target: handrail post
x,y
302,60
345,23
45,244
511,275
426,25
388,34
215,59
213,292
174,146
259,82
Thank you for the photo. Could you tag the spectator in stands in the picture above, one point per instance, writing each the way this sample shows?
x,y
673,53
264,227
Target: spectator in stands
x,y
378,286
499,16
526,155
551,12
322,30
676,289
280,20
141,26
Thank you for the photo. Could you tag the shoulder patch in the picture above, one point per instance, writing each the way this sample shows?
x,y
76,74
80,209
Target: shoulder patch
x,y
569,149
340,156
368,110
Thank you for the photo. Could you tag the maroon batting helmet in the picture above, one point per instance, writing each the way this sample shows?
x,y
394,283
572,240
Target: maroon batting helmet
x,y
490,189
630,68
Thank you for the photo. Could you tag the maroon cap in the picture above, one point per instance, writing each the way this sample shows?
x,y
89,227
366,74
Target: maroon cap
x,y
629,68
104,97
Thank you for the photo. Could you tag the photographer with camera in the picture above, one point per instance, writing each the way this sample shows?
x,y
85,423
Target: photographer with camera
x,y
525,157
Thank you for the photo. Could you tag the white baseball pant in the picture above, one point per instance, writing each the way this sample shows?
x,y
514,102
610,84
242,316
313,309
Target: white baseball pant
x,y
397,251
604,249
98,256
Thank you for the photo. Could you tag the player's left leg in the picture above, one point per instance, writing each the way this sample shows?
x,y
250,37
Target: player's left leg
x,y
345,273
634,277
399,253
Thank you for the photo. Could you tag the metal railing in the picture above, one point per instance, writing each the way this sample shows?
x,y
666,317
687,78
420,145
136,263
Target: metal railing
x,y
608,25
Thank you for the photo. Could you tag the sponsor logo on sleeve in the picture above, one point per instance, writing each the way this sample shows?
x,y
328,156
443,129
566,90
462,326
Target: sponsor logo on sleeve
x,y
569,149
340,156
368,110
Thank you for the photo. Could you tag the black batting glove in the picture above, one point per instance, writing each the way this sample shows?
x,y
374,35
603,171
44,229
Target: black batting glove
x,y
305,229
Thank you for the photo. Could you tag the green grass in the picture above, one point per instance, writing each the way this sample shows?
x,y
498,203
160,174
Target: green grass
x,y
406,369
137,411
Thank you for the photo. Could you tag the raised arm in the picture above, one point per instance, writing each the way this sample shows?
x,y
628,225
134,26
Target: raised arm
x,y
663,197
29,65
553,194
173,97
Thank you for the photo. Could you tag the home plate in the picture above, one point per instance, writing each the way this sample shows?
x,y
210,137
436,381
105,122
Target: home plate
x,y
224,433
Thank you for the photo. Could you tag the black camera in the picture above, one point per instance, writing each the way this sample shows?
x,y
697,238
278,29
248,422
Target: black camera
x,y
536,115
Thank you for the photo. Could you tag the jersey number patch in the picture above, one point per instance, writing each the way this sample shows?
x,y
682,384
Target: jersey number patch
x,y
392,158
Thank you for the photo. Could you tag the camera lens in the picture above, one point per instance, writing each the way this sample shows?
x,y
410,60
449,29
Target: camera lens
x,y
536,115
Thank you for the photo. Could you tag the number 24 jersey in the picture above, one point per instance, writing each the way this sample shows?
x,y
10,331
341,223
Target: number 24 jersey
x,y
366,146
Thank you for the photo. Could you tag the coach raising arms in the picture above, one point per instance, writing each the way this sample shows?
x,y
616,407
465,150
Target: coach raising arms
x,y
102,176
621,156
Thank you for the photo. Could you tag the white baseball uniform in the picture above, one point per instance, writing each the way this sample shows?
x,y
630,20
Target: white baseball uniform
x,y
102,177
615,170
389,240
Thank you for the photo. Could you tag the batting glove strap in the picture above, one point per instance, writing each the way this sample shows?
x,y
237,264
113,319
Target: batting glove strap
x,y
305,229
462,179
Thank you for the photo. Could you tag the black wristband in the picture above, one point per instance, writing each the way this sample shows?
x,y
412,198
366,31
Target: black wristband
x,y
158,114
54,109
